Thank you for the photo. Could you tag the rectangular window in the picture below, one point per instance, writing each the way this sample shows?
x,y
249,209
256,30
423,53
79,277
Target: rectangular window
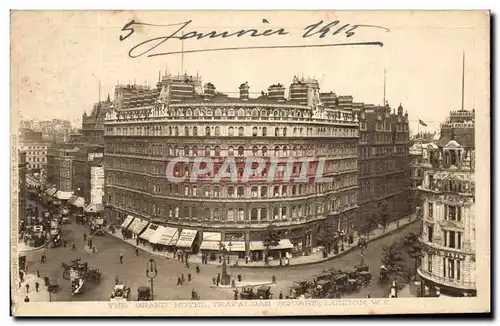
x,y
444,267
430,233
451,268
458,269
430,209
429,263
230,215
452,242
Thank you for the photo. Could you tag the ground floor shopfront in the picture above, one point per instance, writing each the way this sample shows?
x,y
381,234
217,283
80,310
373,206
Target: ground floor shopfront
x,y
432,287
214,241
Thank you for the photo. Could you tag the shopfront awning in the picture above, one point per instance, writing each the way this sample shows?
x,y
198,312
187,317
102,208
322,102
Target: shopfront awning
x,y
63,195
94,208
71,199
79,202
146,235
50,192
140,226
211,241
156,234
231,246
284,244
127,222
167,236
212,236
186,238
134,224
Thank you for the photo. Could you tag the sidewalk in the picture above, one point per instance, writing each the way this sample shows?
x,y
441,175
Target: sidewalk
x,y
316,257
42,295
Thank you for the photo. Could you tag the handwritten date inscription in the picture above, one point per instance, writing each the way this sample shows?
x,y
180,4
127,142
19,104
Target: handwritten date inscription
x,y
178,32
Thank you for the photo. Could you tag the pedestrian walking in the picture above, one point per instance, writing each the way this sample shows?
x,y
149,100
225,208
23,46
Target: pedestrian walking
x,y
117,280
179,282
193,295
137,251
73,247
239,277
65,243
197,269
38,273
235,294
26,299
182,278
121,258
220,259
21,276
187,264
27,288
369,295
218,279
85,237
46,280
189,277
281,295
43,259
37,286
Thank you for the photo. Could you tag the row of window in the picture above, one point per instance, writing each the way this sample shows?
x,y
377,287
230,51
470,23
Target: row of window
x,y
193,150
451,212
451,268
270,212
224,131
217,191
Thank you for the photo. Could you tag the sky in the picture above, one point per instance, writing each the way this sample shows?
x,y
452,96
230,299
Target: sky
x,y
58,58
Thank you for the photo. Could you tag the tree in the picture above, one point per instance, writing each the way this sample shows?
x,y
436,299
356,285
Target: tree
x,y
414,248
392,259
326,236
271,239
383,215
364,226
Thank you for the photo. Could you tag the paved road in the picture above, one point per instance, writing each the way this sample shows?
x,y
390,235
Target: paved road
x,y
133,271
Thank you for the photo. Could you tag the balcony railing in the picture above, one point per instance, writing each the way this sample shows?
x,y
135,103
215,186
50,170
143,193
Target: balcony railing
x,y
447,281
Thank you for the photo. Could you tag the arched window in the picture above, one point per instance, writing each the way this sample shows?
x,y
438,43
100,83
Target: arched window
x,y
217,151
254,191
294,190
254,214
263,113
264,151
218,112
241,151
241,215
241,131
217,214
207,150
282,113
284,132
216,191
264,131
275,113
276,132
254,131
255,113
170,131
283,213
283,191
209,113
276,213
217,131
176,131
186,150
285,151
196,112
277,151
241,192
230,191
230,151
263,214
186,131
206,213
195,131
206,191
254,150
230,131
230,113
189,112
194,212
241,113
207,131
276,191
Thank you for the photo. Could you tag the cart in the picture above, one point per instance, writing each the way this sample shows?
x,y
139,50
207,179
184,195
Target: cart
x,y
247,294
93,274
120,292
53,286
264,292
143,293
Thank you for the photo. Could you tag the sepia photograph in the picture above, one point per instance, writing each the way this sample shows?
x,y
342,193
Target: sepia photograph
x,y
249,163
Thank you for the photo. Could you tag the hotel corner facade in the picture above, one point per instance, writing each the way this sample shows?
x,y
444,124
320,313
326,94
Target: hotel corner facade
x,y
448,187
150,127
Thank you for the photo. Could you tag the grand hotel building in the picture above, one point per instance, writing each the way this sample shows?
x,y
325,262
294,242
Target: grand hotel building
x,y
183,120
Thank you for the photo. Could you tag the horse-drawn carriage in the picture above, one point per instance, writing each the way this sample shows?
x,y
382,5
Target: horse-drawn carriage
x,y
93,274
298,288
262,292
143,293
120,292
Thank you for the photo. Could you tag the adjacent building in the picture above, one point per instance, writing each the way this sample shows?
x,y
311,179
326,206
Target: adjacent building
x,y
418,154
153,127
383,161
448,193
32,143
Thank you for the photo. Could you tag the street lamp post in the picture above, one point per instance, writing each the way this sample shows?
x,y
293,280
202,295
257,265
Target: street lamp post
x,y
342,240
151,273
225,279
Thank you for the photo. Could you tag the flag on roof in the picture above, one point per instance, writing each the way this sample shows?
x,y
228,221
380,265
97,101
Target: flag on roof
x,y
422,123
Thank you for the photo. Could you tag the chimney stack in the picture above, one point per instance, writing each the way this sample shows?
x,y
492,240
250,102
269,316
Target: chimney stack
x,y
209,91
244,91
276,92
